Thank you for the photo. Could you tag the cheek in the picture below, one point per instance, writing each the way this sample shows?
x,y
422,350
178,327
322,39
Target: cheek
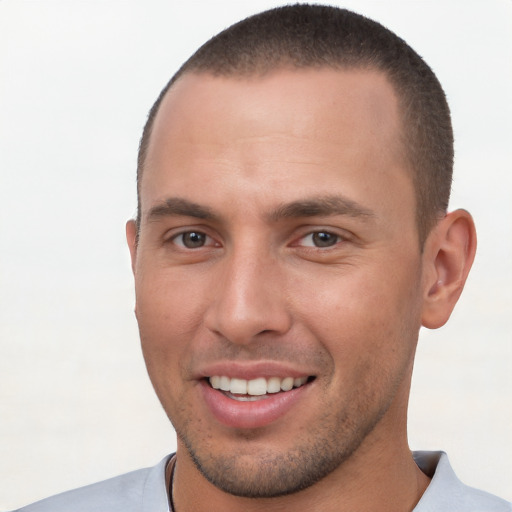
x,y
169,317
167,307
364,319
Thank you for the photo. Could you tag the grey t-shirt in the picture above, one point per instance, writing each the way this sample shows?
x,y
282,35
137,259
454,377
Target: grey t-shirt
x,y
146,490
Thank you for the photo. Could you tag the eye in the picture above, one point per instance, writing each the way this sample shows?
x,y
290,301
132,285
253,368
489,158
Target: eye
x,y
320,239
193,240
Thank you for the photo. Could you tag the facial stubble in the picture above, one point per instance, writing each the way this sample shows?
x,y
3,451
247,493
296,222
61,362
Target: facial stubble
x,y
267,474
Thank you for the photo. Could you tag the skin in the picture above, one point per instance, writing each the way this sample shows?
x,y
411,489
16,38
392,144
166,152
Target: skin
x,y
253,155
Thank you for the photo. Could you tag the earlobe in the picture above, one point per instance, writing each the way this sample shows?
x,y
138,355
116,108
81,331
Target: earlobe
x,y
131,238
448,256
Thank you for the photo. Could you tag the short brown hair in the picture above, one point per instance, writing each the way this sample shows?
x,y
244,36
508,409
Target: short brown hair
x,y
315,36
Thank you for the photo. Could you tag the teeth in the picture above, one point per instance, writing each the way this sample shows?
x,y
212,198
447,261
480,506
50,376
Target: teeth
x,y
255,387
225,383
238,387
287,384
274,385
297,383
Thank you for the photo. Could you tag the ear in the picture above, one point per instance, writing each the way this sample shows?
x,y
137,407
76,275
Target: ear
x,y
131,238
448,255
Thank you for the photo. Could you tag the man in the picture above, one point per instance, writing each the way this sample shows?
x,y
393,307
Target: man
x,y
292,236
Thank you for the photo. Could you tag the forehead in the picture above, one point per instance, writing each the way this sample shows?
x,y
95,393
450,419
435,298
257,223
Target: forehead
x,y
338,97
288,126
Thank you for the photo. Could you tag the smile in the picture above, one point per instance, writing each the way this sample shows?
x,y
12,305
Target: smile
x,y
248,390
254,402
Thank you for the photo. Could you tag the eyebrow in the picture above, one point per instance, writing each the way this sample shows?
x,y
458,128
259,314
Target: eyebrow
x,y
320,207
323,206
175,206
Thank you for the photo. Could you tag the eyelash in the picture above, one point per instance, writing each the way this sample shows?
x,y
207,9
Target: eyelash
x,y
331,239
191,233
337,239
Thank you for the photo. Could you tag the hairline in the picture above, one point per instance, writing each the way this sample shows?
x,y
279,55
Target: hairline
x,y
288,64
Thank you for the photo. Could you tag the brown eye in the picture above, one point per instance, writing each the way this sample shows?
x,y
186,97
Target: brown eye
x,y
324,239
191,239
320,239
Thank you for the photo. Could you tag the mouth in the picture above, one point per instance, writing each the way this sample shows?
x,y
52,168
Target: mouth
x,y
255,395
256,389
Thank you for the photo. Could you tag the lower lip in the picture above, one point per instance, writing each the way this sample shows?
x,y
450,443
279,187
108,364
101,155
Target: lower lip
x,y
253,414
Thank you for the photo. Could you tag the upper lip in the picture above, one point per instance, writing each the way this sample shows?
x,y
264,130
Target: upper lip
x,y
251,370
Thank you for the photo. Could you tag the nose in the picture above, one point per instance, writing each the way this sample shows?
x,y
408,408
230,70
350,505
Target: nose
x,y
249,298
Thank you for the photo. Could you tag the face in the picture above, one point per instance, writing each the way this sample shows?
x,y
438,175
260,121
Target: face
x,y
278,274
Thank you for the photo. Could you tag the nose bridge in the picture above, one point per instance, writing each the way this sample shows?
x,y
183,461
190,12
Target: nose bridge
x,y
250,297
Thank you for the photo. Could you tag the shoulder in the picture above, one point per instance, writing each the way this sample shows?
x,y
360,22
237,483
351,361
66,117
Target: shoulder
x,y
138,491
447,493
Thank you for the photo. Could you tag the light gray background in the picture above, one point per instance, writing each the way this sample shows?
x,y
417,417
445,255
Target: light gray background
x,y
76,80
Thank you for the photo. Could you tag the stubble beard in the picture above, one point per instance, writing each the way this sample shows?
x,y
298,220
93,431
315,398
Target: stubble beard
x,y
250,469
267,474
